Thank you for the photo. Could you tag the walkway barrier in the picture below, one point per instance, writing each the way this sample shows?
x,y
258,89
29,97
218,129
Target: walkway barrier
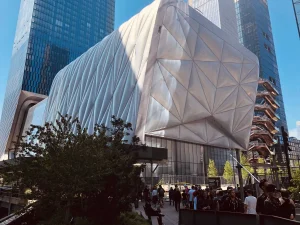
x,y
192,217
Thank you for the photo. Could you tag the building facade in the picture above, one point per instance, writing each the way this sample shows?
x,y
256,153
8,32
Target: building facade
x,y
296,5
49,35
182,82
255,33
294,152
219,12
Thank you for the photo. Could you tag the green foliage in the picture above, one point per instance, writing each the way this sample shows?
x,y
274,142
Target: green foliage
x,y
212,170
131,218
295,189
261,171
228,172
69,171
245,163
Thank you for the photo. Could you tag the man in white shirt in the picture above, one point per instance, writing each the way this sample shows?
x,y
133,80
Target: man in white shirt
x,y
250,203
191,197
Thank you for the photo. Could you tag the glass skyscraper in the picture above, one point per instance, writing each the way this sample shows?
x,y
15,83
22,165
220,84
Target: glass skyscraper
x,y
255,33
49,35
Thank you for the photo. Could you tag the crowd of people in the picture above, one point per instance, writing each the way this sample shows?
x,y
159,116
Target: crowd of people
x,y
270,202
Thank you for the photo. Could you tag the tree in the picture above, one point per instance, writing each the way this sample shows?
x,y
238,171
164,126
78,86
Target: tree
x,y
295,189
261,171
245,163
212,170
228,172
71,173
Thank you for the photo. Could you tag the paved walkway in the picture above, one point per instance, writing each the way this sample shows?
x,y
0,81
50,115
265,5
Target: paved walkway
x,y
171,216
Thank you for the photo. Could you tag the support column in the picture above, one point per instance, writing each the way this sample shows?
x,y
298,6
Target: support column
x,y
151,174
239,167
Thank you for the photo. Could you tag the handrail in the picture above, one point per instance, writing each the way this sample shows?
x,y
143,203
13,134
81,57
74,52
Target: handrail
x,y
261,81
266,106
268,94
187,216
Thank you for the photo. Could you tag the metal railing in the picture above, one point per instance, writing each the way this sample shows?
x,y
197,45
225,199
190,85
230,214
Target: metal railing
x,y
192,217
269,97
267,107
268,83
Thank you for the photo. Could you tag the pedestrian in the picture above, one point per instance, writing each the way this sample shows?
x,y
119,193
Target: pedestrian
x,y
261,199
287,207
217,200
271,204
233,203
250,203
224,197
161,195
177,198
191,197
195,198
184,199
154,196
171,195
146,193
186,189
205,201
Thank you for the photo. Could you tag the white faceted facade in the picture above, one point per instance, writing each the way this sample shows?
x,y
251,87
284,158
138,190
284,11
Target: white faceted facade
x,y
220,12
171,73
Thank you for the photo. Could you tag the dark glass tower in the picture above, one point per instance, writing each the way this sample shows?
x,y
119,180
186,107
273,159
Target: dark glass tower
x,y
255,33
49,35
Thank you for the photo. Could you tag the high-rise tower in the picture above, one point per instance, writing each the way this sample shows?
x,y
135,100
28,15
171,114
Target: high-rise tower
x,y
49,35
255,33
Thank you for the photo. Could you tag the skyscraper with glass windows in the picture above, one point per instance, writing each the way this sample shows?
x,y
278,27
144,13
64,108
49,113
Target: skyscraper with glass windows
x,y
255,33
49,35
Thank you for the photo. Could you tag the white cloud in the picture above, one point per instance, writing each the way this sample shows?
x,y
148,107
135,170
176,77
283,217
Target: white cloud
x,y
293,133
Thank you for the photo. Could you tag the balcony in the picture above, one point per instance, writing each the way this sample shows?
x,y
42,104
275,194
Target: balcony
x,y
266,122
261,148
269,86
262,135
268,96
268,110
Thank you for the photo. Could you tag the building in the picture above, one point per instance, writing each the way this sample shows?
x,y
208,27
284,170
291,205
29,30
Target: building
x,y
220,12
255,33
49,35
182,82
294,153
298,129
296,5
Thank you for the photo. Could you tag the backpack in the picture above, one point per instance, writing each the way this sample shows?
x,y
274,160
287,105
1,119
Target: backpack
x,y
161,192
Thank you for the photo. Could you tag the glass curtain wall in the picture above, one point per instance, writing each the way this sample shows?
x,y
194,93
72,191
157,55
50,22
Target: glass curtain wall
x,y
187,162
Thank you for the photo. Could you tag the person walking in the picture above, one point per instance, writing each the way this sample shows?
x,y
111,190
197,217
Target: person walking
x,y
205,201
177,198
261,199
161,195
146,193
217,200
171,195
287,207
250,203
233,203
184,199
271,204
191,197
154,196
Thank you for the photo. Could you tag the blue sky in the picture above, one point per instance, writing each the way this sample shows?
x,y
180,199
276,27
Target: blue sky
x,y
286,39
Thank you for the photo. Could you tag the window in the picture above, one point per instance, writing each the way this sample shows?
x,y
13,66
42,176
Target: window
x,y
59,23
